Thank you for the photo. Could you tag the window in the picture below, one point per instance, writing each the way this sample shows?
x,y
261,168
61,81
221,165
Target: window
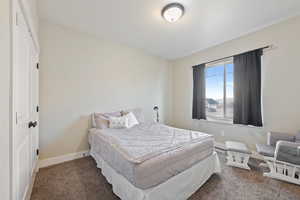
x,y
219,91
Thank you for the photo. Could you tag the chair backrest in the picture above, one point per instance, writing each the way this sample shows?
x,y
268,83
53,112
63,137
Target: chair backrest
x,y
273,137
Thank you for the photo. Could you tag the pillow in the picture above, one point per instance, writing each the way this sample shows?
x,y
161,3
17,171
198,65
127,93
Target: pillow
x,y
138,113
113,114
132,121
101,121
118,122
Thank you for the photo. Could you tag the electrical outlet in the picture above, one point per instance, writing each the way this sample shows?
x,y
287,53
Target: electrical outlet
x,y
84,154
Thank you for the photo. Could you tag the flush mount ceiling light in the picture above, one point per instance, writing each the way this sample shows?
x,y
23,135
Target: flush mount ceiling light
x,y
172,12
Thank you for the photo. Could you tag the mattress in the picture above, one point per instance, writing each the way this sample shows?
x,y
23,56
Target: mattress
x,y
150,153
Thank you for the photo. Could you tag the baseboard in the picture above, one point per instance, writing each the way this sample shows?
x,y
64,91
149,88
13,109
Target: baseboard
x,y
60,159
221,147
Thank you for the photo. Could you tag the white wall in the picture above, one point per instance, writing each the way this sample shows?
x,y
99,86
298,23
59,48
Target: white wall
x,y
81,74
281,86
5,53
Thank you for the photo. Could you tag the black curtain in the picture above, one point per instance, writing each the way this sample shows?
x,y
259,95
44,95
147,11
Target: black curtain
x,y
199,99
247,88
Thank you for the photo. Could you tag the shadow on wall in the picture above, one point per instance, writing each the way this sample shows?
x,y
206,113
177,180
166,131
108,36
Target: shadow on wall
x,y
79,128
73,138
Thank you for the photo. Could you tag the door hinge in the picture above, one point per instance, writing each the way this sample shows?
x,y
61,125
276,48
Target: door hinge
x,y
16,118
16,19
37,65
37,109
37,152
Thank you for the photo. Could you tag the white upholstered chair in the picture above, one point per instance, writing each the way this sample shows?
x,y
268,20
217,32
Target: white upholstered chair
x,y
282,154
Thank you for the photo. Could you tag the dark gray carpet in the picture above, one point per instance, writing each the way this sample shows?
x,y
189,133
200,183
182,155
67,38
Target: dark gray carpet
x,y
80,179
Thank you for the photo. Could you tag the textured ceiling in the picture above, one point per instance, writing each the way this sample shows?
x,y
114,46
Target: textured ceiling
x,y
138,23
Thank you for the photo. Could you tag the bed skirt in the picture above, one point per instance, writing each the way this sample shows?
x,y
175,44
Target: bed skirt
x,y
179,187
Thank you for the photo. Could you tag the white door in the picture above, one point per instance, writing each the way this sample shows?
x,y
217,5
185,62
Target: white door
x,y
25,94
34,109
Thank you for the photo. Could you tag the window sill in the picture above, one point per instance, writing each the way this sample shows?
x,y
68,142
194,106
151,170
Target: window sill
x,y
229,124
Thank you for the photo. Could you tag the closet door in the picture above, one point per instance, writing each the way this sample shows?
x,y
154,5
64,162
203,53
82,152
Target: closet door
x,y
34,108
24,96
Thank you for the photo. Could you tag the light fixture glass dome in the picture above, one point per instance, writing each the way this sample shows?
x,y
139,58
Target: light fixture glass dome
x,y
172,12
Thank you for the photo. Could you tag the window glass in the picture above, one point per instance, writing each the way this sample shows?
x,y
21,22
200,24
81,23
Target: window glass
x,y
219,92
229,92
214,78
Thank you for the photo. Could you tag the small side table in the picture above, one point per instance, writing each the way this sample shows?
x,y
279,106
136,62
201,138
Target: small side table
x,y
238,154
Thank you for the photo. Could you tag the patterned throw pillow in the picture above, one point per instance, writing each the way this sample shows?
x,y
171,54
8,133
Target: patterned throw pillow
x,y
118,122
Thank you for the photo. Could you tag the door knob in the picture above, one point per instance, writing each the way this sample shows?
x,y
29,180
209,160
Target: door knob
x,y
32,124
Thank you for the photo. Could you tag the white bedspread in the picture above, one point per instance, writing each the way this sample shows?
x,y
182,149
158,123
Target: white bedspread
x,y
149,140
149,154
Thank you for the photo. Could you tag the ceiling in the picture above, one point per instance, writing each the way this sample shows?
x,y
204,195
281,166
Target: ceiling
x,y
138,23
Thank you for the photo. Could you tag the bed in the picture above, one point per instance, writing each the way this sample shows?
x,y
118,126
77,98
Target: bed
x,y
152,161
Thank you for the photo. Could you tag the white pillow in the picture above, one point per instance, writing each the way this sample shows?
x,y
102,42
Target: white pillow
x,y
118,122
138,113
132,121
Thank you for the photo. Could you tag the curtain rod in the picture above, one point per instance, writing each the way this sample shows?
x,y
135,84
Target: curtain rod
x,y
265,47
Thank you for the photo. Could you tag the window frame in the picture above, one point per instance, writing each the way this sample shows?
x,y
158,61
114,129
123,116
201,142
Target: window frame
x,y
223,63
